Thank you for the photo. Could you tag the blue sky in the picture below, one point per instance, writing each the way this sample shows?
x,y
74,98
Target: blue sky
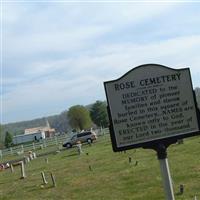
x,y
58,54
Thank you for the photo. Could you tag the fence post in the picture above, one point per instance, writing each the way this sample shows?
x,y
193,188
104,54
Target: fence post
x,y
56,140
11,151
22,147
44,143
1,155
33,146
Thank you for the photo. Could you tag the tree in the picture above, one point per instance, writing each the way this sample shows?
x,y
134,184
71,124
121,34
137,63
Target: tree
x,y
8,139
99,114
79,117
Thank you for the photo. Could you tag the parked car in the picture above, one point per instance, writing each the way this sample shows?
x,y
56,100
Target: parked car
x,y
86,136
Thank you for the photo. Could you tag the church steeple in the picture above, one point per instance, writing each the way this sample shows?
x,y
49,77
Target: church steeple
x,y
47,123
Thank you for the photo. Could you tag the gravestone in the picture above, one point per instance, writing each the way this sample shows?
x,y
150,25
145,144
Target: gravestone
x,y
90,167
44,178
11,168
181,188
53,180
47,160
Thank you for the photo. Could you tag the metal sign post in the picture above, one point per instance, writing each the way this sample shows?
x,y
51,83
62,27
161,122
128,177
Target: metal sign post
x,y
165,172
167,182
152,106
161,149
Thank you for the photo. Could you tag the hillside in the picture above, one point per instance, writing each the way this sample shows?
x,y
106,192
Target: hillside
x,y
59,122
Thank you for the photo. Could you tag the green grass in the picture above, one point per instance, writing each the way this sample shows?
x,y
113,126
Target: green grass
x,y
112,176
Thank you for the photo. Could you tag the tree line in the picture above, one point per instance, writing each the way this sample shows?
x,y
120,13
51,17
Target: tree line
x,y
81,118
77,118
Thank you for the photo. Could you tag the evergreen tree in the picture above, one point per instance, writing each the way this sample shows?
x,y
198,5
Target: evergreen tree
x,y
8,139
99,114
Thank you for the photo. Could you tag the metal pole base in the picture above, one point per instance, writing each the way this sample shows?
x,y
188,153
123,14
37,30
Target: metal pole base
x,y
167,182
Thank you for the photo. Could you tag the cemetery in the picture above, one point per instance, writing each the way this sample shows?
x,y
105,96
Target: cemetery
x,y
99,100
137,136
99,173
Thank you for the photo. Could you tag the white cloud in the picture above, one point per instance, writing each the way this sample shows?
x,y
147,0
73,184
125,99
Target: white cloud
x,y
115,59
59,55
52,93
51,30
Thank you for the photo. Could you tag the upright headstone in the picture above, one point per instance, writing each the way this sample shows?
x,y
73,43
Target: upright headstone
x,y
1,155
30,155
11,168
180,141
47,160
181,188
44,178
90,167
23,175
79,147
53,180
26,159
33,146
34,155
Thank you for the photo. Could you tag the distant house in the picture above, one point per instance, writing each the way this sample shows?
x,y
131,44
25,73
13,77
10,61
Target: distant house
x,y
47,130
35,134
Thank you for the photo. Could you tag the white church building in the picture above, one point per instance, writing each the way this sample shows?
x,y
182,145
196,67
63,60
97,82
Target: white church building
x,y
34,134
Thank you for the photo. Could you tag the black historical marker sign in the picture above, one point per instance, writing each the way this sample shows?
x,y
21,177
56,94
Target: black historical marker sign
x,y
151,103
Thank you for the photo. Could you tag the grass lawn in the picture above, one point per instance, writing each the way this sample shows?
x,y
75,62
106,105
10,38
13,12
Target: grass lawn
x,y
111,177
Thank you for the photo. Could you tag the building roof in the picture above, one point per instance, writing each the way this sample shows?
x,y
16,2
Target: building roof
x,y
38,129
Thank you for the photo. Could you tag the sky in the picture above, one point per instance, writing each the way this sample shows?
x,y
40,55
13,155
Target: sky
x,y
57,54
